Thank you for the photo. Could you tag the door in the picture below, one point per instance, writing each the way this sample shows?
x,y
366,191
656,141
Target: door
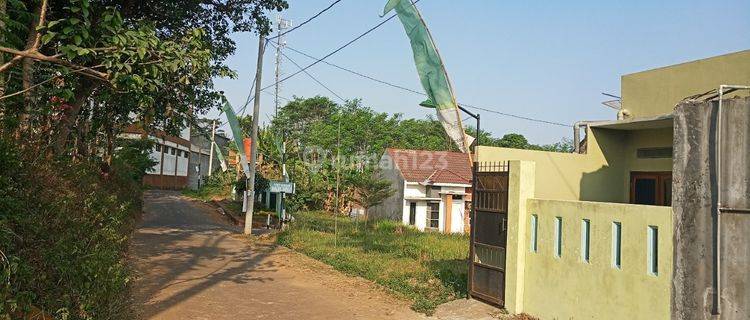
x,y
412,213
489,221
651,188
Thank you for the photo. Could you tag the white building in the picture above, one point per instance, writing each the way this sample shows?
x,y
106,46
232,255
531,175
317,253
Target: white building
x,y
431,189
171,154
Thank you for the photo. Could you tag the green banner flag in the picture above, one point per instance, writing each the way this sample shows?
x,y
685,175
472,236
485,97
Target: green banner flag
x,y
237,133
220,156
431,71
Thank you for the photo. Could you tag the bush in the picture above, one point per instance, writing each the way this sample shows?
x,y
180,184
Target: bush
x,y
64,228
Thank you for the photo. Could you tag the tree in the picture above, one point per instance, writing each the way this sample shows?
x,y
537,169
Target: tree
x,y
114,61
369,191
512,140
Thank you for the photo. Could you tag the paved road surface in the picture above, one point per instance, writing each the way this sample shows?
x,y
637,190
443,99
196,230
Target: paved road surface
x,y
193,265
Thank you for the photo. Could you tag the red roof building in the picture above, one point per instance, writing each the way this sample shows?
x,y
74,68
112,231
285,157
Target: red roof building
x,y
431,189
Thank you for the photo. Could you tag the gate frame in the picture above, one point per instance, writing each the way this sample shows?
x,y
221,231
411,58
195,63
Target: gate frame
x,y
499,167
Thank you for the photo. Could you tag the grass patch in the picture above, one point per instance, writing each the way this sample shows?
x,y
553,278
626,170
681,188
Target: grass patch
x,y
425,267
216,187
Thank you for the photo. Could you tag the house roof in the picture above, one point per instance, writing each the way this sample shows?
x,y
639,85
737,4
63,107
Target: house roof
x,y
657,122
432,167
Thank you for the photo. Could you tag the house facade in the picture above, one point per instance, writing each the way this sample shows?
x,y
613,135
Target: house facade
x,y
430,189
632,225
171,154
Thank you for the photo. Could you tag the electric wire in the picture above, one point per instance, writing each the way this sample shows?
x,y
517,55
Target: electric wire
x,y
336,50
423,94
312,77
306,21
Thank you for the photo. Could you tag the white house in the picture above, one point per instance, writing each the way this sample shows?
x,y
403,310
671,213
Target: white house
x,y
430,189
171,154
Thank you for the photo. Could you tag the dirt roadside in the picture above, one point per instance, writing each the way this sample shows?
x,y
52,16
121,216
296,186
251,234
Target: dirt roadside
x,y
192,264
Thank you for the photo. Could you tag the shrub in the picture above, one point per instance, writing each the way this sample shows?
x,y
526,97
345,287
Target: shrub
x,y
64,228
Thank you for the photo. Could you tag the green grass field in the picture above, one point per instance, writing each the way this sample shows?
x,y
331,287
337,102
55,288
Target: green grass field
x,y
426,268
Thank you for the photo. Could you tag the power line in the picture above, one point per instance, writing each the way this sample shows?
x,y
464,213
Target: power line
x,y
337,49
423,94
358,73
306,21
312,77
515,116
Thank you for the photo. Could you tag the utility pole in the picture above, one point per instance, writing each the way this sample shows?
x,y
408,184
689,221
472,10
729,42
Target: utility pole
x,y
281,25
250,181
211,152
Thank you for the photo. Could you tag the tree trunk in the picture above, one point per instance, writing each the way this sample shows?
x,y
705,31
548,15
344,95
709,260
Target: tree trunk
x,y
27,75
82,93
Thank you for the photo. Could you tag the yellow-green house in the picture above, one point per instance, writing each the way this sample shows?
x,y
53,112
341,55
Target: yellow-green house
x,y
590,233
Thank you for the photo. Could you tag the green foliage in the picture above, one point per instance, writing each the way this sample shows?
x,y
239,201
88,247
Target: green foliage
x,y
64,228
310,131
134,157
370,191
425,267
218,186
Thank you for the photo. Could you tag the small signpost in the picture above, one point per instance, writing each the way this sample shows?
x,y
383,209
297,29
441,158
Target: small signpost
x,y
281,187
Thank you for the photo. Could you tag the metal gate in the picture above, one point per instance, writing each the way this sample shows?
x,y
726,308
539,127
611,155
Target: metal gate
x,y
489,232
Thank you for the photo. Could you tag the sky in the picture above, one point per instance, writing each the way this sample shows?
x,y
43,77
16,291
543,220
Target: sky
x,y
548,60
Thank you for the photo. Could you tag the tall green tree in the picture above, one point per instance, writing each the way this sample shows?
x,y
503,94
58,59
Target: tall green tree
x,y
108,61
369,191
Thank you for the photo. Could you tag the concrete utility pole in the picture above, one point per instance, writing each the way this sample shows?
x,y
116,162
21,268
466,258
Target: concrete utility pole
x,y
250,182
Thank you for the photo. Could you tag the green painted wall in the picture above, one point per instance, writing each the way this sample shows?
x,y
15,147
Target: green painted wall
x,y
569,288
657,92
602,174
652,138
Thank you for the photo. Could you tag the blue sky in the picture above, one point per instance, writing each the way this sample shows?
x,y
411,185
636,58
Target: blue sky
x,y
542,59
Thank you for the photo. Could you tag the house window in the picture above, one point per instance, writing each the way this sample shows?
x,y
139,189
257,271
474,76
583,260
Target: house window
x,y
616,245
157,148
412,213
173,151
653,250
457,197
534,223
558,237
651,188
585,242
186,154
433,215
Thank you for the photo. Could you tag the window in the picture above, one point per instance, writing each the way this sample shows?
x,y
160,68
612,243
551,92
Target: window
x,y
433,215
534,223
616,245
173,151
186,153
585,242
558,237
157,148
457,197
651,188
412,213
653,250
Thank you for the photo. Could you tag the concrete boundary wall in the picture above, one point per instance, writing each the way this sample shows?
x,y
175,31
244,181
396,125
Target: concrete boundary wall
x,y
549,286
695,205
